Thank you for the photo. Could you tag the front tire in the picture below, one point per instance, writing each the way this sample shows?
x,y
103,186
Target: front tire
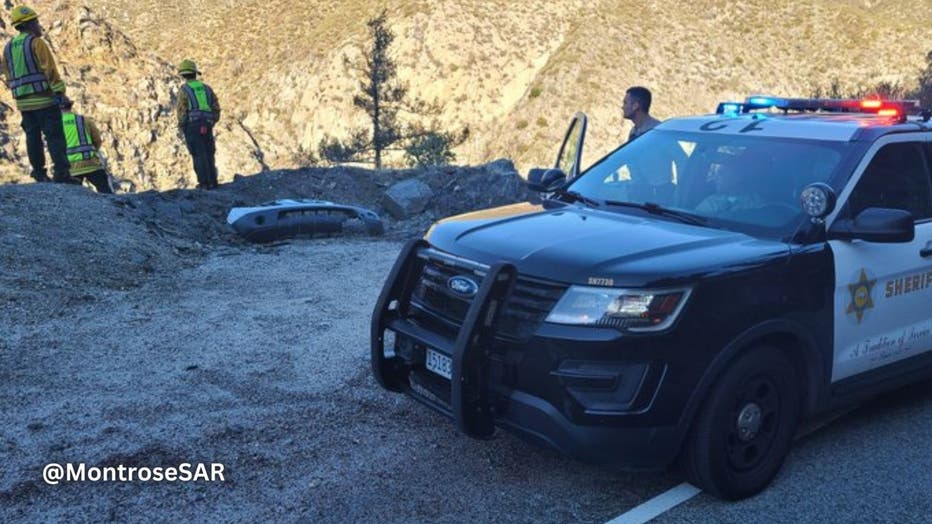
x,y
745,427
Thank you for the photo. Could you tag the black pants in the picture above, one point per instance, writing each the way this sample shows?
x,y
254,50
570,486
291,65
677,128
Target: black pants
x,y
100,180
46,122
200,139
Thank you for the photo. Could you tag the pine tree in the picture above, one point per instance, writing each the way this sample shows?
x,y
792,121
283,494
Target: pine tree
x,y
383,97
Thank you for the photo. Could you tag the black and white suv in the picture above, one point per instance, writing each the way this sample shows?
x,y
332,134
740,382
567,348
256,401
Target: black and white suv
x,y
692,295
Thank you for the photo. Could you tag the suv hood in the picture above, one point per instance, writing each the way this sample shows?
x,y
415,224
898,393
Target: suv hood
x,y
574,244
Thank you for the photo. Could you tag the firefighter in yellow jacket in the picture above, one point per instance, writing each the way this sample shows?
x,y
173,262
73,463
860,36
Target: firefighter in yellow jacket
x,y
83,140
198,111
31,74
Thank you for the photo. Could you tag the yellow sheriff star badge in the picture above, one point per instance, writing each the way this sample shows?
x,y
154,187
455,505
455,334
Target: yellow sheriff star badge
x,y
861,295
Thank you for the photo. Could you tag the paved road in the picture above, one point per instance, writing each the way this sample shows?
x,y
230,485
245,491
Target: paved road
x,y
872,465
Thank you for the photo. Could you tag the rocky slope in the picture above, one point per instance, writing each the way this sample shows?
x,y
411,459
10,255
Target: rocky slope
x,y
513,71
130,92
61,243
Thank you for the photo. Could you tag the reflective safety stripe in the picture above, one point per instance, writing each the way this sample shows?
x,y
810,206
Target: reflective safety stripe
x,y
34,102
82,149
200,101
23,72
86,146
33,68
28,79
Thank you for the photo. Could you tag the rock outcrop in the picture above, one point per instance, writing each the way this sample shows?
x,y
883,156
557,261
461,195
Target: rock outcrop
x,y
130,94
514,73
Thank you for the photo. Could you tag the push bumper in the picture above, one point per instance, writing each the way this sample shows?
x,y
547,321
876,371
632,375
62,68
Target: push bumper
x,y
471,401
469,392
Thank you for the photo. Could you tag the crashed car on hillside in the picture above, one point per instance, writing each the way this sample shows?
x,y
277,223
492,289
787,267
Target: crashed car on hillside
x,y
299,217
692,295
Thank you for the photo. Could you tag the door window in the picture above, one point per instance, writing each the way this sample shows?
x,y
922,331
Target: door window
x,y
896,178
571,151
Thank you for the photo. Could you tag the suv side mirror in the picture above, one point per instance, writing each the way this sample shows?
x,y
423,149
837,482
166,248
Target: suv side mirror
x,y
545,180
876,224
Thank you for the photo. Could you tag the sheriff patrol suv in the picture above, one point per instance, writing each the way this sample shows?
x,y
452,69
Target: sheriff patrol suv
x,y
692,295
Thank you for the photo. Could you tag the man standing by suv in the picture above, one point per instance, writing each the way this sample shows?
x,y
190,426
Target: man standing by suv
x,y
198,111
31,74
636,108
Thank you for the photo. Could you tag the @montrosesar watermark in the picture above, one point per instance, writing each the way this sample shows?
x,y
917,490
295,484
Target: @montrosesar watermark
x,y
54,474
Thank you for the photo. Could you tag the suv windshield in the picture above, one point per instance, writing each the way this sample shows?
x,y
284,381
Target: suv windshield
x,y
745,183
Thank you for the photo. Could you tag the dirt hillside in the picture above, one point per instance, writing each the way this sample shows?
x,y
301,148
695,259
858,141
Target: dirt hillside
x,y
59,243
512,71
516,71
129,92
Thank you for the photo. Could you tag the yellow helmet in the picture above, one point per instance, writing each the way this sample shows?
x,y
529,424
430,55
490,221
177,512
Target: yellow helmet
x,y
22,14
187,66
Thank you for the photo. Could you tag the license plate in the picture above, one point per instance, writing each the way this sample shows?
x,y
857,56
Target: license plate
x,y
439,364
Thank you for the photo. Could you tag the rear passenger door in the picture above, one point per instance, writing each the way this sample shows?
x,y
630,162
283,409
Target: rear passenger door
x,y
883,291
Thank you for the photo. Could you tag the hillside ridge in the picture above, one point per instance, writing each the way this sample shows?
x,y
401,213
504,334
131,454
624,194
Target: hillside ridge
x,y
513,72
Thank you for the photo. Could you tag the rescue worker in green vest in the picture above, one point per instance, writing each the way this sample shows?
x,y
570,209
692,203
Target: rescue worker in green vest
x,y
31,74
198,111
83,140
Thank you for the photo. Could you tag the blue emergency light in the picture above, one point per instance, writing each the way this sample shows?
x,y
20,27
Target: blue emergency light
x,y
764,102
729,108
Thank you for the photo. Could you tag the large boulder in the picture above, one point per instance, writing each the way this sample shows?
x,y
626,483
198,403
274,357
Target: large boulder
x,y
407,198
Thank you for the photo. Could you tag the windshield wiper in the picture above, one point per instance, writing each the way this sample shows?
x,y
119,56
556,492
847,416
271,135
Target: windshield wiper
x,y
576,196
656,209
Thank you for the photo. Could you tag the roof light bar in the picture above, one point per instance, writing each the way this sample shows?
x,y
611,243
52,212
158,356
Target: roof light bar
x,y
891,108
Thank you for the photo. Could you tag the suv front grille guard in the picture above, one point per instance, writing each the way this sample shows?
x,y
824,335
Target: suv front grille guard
x,y
470,406
528,304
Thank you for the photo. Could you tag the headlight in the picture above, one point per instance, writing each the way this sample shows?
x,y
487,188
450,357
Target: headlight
x,y
630,309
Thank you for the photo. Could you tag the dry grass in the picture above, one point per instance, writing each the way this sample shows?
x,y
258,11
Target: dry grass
x,y
502,65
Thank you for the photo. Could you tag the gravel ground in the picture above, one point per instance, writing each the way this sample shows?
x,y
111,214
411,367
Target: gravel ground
x,y
137,330
258,359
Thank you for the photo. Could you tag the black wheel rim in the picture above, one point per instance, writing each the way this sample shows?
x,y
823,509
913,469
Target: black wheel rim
x,y
753,423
